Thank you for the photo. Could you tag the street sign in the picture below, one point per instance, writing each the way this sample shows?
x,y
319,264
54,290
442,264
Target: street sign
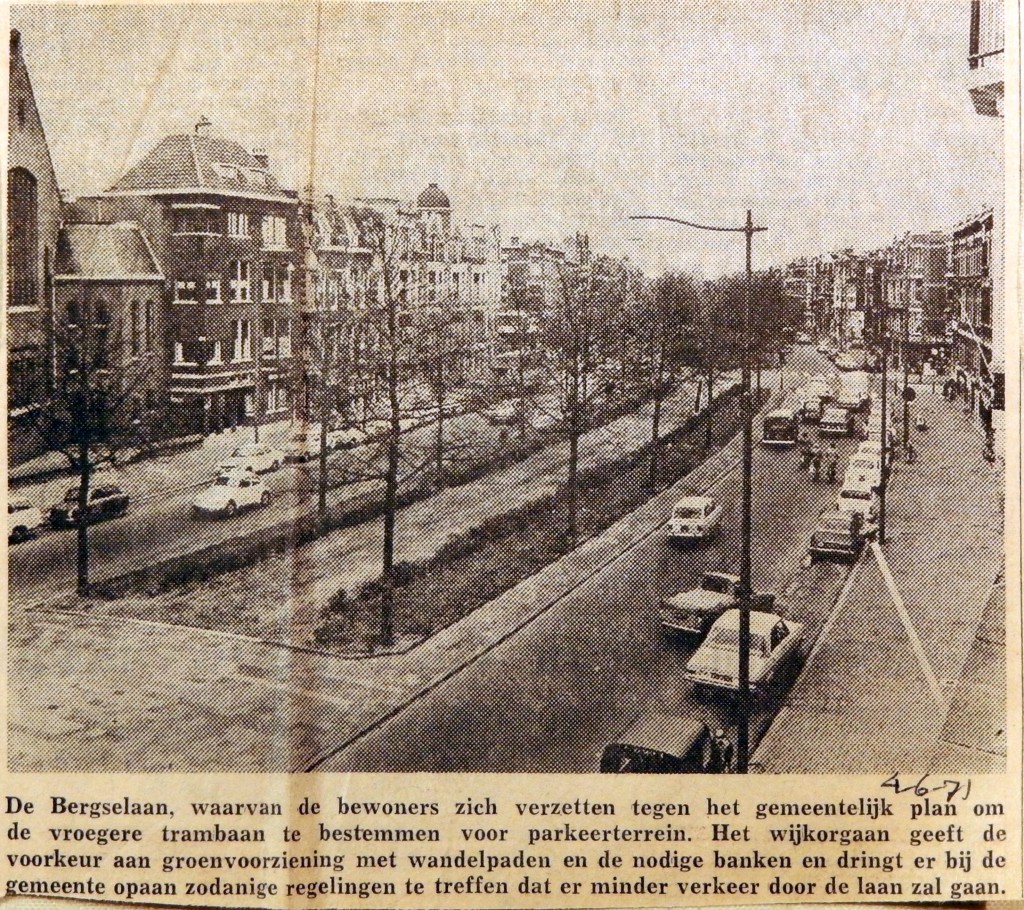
x,y
909,394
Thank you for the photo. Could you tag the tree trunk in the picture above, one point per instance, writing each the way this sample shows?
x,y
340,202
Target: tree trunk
x,y
321,503
573,481
710,414
522,390
439,437
387,634
82,523
656,422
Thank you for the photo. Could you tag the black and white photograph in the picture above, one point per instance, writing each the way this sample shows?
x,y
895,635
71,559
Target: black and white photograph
x,y
604,387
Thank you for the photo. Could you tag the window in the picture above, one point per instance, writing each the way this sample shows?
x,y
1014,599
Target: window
x,y
268,336
238,224
149,326
216,357
179,352
269,284
241,291
284,338
22,238
195,221
275,232
286,285
242,340
226,171
213,289
73,314
136,327
184,292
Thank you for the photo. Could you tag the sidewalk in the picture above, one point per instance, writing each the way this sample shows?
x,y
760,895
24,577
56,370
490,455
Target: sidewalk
x,y
912,648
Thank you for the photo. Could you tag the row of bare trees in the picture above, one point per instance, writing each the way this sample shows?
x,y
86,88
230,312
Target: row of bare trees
x,y
603,334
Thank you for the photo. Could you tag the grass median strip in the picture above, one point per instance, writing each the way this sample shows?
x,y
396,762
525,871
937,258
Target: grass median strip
x,y
290,598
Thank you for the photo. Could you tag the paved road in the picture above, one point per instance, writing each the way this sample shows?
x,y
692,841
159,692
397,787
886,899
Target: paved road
x,y
549,698
160,525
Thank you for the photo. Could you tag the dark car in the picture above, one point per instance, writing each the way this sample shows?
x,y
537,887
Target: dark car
x,y
693,612
837,534
658,744
105,501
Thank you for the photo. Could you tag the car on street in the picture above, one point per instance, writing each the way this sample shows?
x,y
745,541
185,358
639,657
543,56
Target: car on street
x,y
854,392
836,422
345,438
774,643
851,360
657,743
376,429
811,407
864,467
252,456
302,447
106,500
231,492
693,612
837,533
803,338
695,518
873,447
821,386
781,426
23,519
503,413
858,495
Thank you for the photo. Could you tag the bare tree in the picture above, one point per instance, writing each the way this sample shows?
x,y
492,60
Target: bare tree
x,y
92,415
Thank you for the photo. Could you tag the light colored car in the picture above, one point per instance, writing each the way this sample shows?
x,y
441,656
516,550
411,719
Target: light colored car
x,y
253,456
836,422
803,338
504,412
302,447
859,496
231,492
695,518
23,519
693,612
774,642
864,468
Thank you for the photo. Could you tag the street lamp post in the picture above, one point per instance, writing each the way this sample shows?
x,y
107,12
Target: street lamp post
x,y
744,592
885,419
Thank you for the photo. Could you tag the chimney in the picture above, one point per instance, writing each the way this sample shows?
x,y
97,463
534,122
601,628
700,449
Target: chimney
x,y
203,127
262,158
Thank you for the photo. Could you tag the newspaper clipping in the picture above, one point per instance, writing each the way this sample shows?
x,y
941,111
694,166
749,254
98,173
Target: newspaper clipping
x,y
516,453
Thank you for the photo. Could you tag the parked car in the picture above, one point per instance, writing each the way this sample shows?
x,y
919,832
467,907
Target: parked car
x,y
346,438
874,447
694,611
836,422
106,500
866,468
23,519
821,386
774,643
657,743
253,456
858,495
803,338
837,533
695,518
376,429
811,408
231,492
302,447
502,413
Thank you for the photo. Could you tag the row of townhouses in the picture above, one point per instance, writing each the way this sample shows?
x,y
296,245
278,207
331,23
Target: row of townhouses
x,y
942,292
207,270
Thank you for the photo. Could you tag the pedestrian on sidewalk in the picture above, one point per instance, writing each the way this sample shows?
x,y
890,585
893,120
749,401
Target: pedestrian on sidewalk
x,y
718,753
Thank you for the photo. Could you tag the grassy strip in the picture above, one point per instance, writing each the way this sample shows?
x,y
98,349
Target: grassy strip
x,y
264,543
485,562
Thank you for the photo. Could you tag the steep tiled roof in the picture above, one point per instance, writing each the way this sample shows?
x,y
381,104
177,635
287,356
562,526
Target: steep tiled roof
x,y
104,251
184,161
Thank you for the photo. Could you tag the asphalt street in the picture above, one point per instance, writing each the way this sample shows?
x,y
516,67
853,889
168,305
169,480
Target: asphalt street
x,y
551,697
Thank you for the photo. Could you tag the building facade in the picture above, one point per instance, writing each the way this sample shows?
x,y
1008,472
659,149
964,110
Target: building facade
x,y
34,218
229,242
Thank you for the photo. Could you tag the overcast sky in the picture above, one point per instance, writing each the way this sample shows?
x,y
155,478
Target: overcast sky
x,y
839,123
